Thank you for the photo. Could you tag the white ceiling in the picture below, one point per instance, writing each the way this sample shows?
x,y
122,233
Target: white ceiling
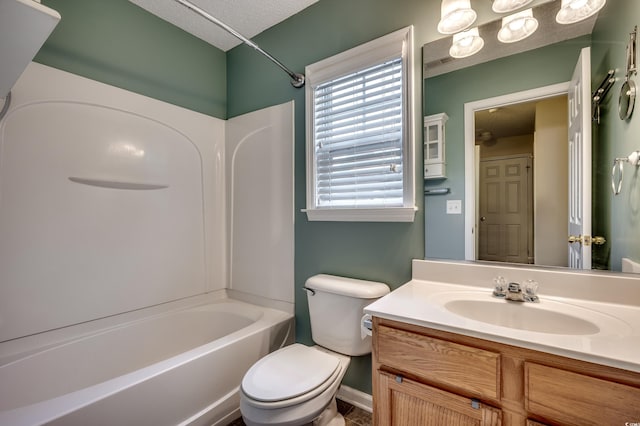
x,y
248,17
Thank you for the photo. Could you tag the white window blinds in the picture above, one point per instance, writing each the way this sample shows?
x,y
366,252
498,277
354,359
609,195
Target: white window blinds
x,y
360,133
358,129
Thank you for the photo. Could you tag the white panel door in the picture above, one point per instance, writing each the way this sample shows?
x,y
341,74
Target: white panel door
x,y
580,163
505,204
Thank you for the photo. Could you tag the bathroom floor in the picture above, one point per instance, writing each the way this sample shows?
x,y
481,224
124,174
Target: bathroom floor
x,y
353,416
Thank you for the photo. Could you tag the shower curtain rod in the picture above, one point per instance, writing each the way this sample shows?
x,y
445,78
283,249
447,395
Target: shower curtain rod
x,y
297,80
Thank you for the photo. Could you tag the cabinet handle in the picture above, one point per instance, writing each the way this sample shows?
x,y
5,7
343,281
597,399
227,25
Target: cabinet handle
x,y
475,404
399,378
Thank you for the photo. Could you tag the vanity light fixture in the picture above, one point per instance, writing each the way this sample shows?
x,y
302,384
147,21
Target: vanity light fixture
x,y
518,26
466,43
506,6
572,11
456,16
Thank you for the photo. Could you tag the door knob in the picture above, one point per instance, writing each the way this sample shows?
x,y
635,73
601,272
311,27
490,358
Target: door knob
x,y
575,239
586,240
483,218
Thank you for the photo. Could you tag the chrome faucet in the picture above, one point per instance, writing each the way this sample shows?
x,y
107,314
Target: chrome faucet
x,y
516,292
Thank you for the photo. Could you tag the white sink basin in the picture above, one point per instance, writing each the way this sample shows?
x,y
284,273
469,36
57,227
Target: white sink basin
x,y
548,316
523,316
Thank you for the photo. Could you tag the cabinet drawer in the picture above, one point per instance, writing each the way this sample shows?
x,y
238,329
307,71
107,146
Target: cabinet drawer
x,y
575,399
474,370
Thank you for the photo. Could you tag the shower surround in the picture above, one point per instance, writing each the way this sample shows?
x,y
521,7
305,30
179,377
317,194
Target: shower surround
x,y
125,232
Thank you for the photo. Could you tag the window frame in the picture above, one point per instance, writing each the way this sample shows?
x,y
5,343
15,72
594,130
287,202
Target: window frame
x,y
390,46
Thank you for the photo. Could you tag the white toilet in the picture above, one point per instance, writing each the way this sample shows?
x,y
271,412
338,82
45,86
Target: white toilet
x,y
296,385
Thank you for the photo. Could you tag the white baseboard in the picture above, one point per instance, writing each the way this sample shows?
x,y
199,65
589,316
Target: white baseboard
x,y
356,398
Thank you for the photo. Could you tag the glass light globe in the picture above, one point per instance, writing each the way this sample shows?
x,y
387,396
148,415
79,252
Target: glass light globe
x,y
572,11
518,26
456,15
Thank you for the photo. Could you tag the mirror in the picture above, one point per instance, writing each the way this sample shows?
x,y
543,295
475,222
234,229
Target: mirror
x,y
544,61
521,153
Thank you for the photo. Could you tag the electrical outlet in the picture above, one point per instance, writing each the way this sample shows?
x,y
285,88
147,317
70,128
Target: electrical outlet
x,y
454,206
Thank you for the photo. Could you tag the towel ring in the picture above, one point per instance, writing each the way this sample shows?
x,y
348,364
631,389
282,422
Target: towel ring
x,y
618,163
627,99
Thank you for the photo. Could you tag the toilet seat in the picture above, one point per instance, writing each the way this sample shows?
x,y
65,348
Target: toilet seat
x,y
290,376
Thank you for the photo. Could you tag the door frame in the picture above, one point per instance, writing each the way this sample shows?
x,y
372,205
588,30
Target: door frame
x,y
470,108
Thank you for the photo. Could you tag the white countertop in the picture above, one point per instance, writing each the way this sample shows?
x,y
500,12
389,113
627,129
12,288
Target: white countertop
x,y
616,344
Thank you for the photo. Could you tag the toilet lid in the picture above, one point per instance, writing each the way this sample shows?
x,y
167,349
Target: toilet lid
x,y
288,373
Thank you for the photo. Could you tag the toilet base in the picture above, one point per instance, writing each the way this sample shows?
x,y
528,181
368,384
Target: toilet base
x,y
330,416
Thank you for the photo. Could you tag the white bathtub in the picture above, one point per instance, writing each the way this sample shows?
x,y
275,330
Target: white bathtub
x,y
179,363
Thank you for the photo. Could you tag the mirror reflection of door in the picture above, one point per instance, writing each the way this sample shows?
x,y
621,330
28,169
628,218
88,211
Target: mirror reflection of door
x,y
579,221
522,189
505,231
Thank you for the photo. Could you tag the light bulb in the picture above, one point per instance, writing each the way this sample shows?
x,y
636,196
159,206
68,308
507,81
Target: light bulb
x,y
455,16
572,11
577,4
466,43
506,6
518,26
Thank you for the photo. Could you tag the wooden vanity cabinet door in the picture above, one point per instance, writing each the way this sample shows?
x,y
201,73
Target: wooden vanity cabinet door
x,y
404,402
569,398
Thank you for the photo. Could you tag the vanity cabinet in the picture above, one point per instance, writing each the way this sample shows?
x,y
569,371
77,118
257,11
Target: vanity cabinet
x,y
423,376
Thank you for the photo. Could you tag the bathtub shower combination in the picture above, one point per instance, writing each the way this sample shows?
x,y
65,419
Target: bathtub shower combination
x,y
136,286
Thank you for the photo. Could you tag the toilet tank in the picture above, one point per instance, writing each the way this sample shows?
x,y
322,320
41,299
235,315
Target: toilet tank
x,y
336,308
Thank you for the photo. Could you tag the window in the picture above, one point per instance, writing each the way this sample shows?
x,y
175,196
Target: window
x,y
360,133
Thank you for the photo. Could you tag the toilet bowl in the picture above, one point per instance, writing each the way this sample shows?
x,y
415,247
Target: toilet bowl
x,y
281,390
296,385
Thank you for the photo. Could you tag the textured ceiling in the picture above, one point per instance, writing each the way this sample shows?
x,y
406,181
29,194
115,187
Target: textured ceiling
x,y
506,121
248,17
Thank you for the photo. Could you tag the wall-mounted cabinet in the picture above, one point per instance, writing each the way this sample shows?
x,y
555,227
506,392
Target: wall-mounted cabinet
x,y
434,146
24,27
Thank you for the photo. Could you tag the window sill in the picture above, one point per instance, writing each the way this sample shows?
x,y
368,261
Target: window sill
x,y
392,214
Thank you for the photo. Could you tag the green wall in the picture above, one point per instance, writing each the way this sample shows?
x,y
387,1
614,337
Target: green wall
x,y
449,92
617,218
374,251
120,44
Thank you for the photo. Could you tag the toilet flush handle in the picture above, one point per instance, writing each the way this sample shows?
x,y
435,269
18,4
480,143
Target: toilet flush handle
x,y
312,291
